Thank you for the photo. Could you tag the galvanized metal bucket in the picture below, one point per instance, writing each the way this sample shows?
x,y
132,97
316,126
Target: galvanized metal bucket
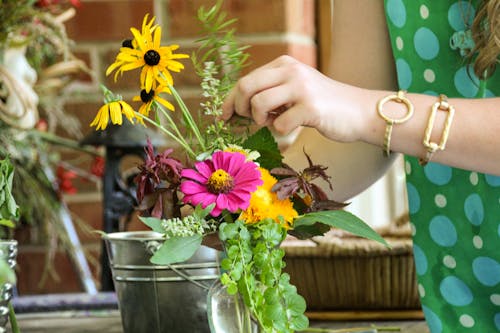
x,y
159,299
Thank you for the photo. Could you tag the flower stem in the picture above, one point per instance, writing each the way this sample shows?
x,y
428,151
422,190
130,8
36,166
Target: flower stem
x,y
188,118
180,141
12,319
171,122
64,142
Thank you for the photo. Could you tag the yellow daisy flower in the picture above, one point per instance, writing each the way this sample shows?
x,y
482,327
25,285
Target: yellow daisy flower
x,y
265,204
113,110
149,97
155,60
146,26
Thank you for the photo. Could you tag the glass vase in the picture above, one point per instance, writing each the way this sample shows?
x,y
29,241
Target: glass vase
x,y
8,252
228,313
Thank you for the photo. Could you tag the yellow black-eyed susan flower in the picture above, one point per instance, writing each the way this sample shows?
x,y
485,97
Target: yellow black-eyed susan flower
x,y
146,26
145,52
114,110
147,97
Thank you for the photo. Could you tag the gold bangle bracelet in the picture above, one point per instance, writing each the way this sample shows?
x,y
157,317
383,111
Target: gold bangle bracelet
x,y
432,147
398,98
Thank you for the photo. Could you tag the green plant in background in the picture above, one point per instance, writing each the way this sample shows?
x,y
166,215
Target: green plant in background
x,y
36,68
9,214
9,210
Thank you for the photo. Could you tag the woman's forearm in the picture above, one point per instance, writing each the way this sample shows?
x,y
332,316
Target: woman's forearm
x,y
474,133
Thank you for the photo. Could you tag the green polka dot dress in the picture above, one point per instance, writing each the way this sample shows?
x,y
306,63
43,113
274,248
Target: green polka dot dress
x,y
454,213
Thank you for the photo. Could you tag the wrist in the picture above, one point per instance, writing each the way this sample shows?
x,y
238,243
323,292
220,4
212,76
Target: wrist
x,y
371,125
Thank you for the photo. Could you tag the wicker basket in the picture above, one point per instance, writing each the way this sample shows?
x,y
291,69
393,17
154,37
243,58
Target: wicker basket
x,y
341,272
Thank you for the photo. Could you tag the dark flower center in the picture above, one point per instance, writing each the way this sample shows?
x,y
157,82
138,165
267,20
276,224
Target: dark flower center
x,y
127,43
220,182
147,96
152,58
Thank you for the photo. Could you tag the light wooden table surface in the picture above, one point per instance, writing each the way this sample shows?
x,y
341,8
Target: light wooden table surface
x,y
108,321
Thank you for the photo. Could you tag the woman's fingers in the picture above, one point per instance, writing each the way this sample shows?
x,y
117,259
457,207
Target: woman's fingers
x,y
287,121
268,76
270,103
239,99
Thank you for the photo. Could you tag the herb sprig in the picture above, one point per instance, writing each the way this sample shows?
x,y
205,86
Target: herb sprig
x,y
254,268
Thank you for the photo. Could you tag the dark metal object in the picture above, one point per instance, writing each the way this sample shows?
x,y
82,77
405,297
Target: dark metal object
x,y
119,198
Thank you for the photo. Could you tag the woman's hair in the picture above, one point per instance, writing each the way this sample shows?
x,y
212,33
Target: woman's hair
x,y
486,34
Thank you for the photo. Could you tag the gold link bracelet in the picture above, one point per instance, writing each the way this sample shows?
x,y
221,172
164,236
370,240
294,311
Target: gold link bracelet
x,y
398,98
432,147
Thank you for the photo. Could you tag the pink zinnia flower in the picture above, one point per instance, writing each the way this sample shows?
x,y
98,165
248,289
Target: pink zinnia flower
x,y
227,180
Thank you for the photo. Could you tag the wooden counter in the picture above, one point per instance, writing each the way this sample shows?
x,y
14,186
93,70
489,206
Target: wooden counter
x,y
109,321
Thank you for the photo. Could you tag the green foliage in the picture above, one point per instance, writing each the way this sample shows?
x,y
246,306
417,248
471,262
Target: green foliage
x,y
339,219
176,249
219,46
9,210
194,223
153,222
13,15
8,207
181,242
7,274
218,62
253,268
264,142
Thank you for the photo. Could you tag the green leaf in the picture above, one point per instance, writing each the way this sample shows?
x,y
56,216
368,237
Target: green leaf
x,y
6,273
341,219
154,223
236,272
309,231
245,234
176,249
274,315
299,323
296,304
9,210
228,231
232,288
263,142
201,212
7,223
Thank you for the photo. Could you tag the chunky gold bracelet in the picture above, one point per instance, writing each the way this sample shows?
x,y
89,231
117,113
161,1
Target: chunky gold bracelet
x,y
398,98
432,147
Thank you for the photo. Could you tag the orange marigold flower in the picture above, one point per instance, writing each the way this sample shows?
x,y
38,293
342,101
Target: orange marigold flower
x,y
265,204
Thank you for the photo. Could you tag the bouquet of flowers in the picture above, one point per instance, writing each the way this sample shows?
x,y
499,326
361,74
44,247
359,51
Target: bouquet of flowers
x,y
229,182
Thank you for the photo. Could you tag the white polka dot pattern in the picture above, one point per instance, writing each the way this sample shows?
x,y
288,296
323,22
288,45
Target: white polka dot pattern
x,y
455,214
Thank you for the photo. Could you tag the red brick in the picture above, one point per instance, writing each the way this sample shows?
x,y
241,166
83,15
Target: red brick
x,y
84,76
31,262
256,16
107,20
300,17
304,53
85,112
91,214
261,54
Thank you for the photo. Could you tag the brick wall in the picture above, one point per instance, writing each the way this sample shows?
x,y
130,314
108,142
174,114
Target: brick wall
x,y
270,27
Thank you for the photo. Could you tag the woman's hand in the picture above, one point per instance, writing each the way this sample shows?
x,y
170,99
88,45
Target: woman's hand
x,y
286,94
